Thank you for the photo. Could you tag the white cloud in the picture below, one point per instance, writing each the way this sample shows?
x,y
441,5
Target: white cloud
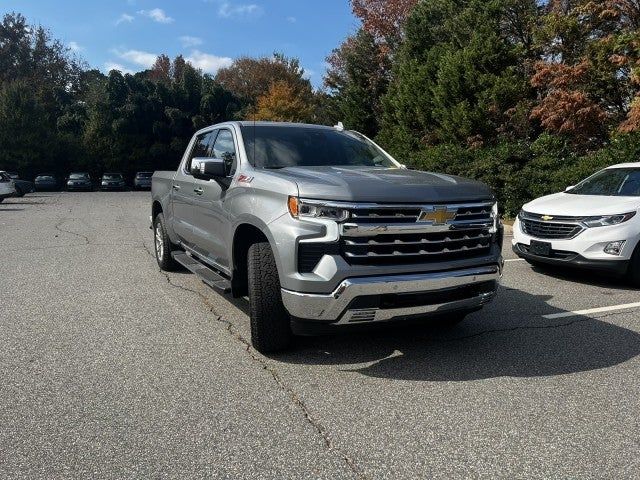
x,y
143,59
188,41
229,10
75,47
108,66
292,19
124,18
208,63
157,15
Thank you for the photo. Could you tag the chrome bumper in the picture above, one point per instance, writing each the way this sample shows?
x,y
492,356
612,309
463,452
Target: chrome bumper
x,y
333,307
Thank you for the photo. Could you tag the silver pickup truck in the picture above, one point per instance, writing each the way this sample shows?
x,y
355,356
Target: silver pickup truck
x,y
323,229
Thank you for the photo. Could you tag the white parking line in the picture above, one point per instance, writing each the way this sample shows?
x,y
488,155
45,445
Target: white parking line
x,y
515,260
576,313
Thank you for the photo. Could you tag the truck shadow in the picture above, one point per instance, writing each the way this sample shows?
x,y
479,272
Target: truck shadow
x,y
585,277
510,338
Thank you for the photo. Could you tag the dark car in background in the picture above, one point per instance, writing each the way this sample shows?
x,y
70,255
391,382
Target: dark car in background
x,y
113,181
22,186
142,181
79,181
46,182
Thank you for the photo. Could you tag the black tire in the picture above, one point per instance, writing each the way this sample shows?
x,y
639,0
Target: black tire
x,y
162,245
633,273
270,321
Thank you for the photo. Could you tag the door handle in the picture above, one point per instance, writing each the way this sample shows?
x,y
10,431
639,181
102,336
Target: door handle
x,y
176,187
198,191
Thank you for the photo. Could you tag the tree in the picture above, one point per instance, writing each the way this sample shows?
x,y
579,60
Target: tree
x,y
358,78
457,78
383,19
250,78
586,76
282,103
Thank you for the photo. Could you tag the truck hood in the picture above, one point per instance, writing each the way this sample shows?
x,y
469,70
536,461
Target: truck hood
x,y
383,185
569,205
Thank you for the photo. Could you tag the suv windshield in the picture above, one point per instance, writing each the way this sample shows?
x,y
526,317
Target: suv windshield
x,y
78,176
144,174
112,176
614,182
270,146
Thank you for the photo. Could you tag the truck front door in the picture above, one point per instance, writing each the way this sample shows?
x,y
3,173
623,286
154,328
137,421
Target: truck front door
x,y
184,192
211,223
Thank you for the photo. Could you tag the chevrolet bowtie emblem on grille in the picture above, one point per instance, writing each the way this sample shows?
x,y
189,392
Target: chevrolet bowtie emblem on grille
x,y
437,216
546,218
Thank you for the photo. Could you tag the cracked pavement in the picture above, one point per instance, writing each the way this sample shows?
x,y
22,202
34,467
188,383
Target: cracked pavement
x,y
112,369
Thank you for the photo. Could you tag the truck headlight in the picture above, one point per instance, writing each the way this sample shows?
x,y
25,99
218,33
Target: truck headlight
x,y
299,208
607,220
495,216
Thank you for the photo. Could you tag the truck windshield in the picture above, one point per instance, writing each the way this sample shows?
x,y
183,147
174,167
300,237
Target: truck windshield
x,y
270,146
613,182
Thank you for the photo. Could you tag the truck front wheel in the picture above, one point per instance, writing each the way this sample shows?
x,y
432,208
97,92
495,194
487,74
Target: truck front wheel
x,y
270,322
162,245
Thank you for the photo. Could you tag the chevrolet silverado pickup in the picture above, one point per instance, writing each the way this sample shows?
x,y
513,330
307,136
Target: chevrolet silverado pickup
x,y
322,229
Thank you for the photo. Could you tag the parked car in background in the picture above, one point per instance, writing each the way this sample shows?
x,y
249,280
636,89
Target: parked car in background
x,y
46,182
7,186
113,181
593,225
324,230
142,181
22,186
79,181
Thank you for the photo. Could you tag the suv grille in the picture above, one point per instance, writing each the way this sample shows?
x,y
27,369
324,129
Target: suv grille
x,y
389,235
560,228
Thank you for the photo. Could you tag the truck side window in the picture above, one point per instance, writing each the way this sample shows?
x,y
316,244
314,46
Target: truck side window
x,y
200,148
225,149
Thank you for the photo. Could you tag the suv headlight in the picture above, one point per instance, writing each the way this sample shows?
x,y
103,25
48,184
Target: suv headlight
x,y
607,220
299,208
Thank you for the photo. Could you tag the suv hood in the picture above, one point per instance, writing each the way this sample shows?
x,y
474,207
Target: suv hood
x,y
569,205
383,185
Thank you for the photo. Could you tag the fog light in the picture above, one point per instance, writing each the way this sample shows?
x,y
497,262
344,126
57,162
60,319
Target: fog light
x,y
615,248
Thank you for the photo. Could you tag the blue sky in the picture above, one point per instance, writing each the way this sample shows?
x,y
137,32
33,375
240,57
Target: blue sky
x,y
128,34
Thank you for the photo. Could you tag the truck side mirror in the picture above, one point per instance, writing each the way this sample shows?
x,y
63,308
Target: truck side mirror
x,y
208,168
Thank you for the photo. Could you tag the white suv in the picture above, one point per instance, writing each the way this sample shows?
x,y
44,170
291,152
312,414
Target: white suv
x,y
7,186
594,225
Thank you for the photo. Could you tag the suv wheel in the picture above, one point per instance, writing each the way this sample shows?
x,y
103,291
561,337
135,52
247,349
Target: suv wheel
x,y
162,245
270,322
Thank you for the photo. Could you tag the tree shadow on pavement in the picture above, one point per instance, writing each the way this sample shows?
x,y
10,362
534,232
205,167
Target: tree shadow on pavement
x,y
510,338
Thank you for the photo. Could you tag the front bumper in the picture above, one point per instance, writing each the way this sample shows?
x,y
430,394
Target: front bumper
x,y
112,187
572,259
385,298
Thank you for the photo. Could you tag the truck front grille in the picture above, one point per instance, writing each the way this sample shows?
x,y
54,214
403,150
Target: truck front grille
x,y
389,235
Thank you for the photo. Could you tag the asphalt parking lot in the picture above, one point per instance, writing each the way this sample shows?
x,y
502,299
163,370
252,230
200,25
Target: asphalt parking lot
x,y
111,369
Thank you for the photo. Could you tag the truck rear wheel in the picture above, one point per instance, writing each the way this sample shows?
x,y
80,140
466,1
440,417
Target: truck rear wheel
x,y
162,245
270,322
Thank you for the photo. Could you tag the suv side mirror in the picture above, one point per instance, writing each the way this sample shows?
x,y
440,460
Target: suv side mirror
x,y
208,168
